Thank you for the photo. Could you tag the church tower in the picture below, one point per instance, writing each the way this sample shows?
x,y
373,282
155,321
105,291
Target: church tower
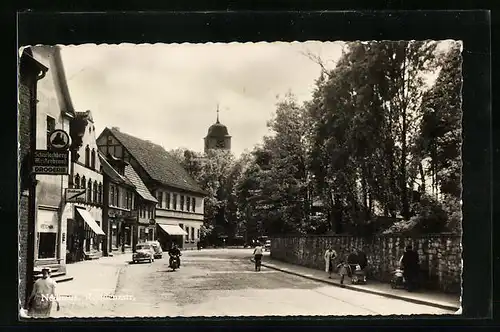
x,y
217,136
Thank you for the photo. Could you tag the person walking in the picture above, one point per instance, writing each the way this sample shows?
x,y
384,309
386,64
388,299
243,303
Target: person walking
x,y
343,269
410,264
42,296
329,256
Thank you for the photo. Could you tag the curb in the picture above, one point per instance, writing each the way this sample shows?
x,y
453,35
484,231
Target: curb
x,y
369,291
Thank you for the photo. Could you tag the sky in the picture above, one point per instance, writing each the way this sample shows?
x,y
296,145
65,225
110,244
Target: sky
x,y
168,93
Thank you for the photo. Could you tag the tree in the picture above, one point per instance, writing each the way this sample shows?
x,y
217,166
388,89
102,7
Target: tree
x,y
366,113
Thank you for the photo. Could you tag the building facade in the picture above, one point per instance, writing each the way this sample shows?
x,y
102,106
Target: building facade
x,y
54,111
119,206
84,218
30,72
179,210
217,137
145,206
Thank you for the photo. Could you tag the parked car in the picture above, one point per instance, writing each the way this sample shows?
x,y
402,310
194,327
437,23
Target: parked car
x,y
267,245
158,252
143,252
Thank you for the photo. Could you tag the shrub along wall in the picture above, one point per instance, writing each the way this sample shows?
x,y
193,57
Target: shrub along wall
x,y
440,255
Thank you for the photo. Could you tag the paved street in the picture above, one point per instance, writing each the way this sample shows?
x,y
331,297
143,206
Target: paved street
x,y
215,282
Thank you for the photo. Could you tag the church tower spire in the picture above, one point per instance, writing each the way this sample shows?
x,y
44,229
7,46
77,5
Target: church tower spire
x,y
217,136
217,113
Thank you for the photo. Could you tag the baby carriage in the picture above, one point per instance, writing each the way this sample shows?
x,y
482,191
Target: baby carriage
x,y
398,279
358,276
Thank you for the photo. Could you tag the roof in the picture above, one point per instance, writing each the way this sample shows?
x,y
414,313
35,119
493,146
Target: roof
x,y
157,162
112,173
217,130
56,66
140,187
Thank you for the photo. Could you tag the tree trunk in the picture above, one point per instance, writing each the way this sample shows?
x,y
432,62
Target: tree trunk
x,y
422,177
404,152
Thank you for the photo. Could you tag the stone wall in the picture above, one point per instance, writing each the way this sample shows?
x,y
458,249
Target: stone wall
x,y
24,146
440,255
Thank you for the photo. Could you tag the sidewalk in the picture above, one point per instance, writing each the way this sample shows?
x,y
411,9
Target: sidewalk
x,y
438,300
94,281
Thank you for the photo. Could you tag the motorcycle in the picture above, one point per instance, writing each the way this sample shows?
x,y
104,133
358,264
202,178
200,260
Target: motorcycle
x,y
174,262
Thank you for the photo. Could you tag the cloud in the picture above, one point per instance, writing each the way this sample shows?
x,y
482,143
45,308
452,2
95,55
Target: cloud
x,y
168,93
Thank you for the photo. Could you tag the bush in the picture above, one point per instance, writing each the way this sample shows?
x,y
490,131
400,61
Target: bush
x,y
431,216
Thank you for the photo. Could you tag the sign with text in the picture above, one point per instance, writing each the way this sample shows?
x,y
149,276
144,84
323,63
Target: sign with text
x,y
51,162
74,195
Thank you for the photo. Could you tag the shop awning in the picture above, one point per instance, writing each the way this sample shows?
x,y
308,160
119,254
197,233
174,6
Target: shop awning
x,y
90,221
172,229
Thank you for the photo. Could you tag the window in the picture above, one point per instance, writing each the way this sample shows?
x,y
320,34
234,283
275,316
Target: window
x,y
100,194
92,160
77,181
127,203
111,195
198,233
87,156
167,200
174,202
47,245
51,126
95,200
182,202
188,203
89,192
192,233
160,199
117,197
84,184
193,204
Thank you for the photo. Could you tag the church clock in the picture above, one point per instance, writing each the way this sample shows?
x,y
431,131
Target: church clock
x,y
220,143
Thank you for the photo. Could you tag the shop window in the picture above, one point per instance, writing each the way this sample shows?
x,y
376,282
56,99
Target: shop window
x,y
47,245
92,159
51,126
182,202
193,204
87,156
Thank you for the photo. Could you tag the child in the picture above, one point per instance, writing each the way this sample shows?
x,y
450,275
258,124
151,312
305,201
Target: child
x,y
343,271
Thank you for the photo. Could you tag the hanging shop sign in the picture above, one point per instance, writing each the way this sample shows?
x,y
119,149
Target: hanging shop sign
x,y
59,140
51,162
75,195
